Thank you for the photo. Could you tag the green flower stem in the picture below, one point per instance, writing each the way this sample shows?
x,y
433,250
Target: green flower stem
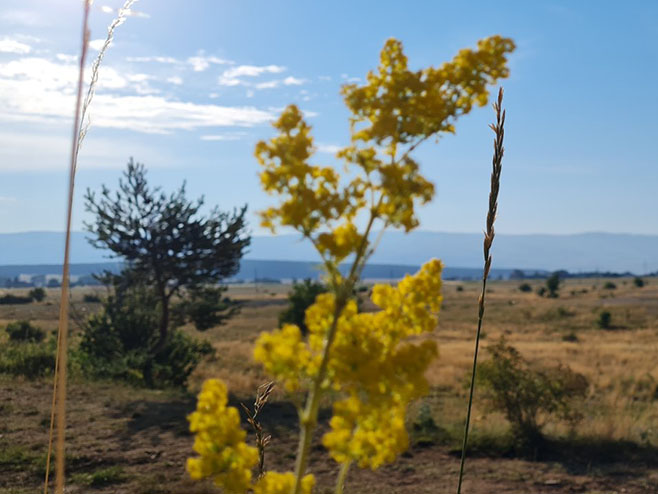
x,y
309,417
342,475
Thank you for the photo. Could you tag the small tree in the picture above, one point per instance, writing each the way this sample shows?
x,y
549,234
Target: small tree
x,y
168,246
164,239
638,282
553,284
37,294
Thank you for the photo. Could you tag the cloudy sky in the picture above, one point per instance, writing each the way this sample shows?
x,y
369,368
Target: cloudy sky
x,y
188,88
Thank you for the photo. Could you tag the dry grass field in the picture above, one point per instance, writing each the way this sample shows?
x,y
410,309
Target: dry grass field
x,y
122,439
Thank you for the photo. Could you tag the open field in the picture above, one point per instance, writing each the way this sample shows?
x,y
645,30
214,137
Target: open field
x,y
122,439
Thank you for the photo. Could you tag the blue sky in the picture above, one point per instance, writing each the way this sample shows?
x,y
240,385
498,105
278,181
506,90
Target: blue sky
x,y
188,88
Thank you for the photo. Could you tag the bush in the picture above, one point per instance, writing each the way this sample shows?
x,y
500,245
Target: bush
x,y
605,319
460,288
638,282
91,298
541,291
24,331
10,299
553,284
525,287
37,294
117,343
300,298
609,285
31,360
526,393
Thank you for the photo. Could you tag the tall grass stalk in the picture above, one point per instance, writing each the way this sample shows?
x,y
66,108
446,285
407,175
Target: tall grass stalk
x,y
58,405
59,386
497,162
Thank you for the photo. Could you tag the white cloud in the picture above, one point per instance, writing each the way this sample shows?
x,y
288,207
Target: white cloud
x,y
267,84
6,199
39,90
249,94
9,45
328,148
233,136
106,9
252,70
153,59
96,44
202,62
18,152
66,58
175,80
293,81
231,76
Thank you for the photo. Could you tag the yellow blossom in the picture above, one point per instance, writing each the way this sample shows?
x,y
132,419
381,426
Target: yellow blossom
x,y
282,483
219,440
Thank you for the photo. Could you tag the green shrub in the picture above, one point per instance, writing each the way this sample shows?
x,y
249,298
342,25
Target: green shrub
x,y
638,282
609,285
553,285
605,319
541,291
525,287
24,331
460,288
37,294
31,360
300,298
91,298
10,299
118,343
206,308
526,393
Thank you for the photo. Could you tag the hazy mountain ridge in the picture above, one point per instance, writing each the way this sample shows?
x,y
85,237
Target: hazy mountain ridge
x,y
579,252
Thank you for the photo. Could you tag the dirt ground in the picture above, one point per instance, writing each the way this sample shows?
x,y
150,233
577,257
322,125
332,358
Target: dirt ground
x,y
126,440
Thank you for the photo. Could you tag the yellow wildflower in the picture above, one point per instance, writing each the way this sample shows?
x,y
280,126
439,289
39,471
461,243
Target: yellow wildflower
x,y
282,483
219,440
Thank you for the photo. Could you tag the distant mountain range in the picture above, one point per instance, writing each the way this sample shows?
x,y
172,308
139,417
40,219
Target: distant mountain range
x,y
574,253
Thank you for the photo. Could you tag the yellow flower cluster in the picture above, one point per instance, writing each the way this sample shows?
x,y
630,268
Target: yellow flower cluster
x,y
374,362
219,440
370,363
282,483
224,455
393,112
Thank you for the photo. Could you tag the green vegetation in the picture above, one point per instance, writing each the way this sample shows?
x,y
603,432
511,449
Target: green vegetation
x,y
31,360
525,287
301,297
117,343
605,320
638,282
37,294
526,394
553,285
24,331
175,257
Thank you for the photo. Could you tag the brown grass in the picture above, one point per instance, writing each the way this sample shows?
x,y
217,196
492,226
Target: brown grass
x,y
144,432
